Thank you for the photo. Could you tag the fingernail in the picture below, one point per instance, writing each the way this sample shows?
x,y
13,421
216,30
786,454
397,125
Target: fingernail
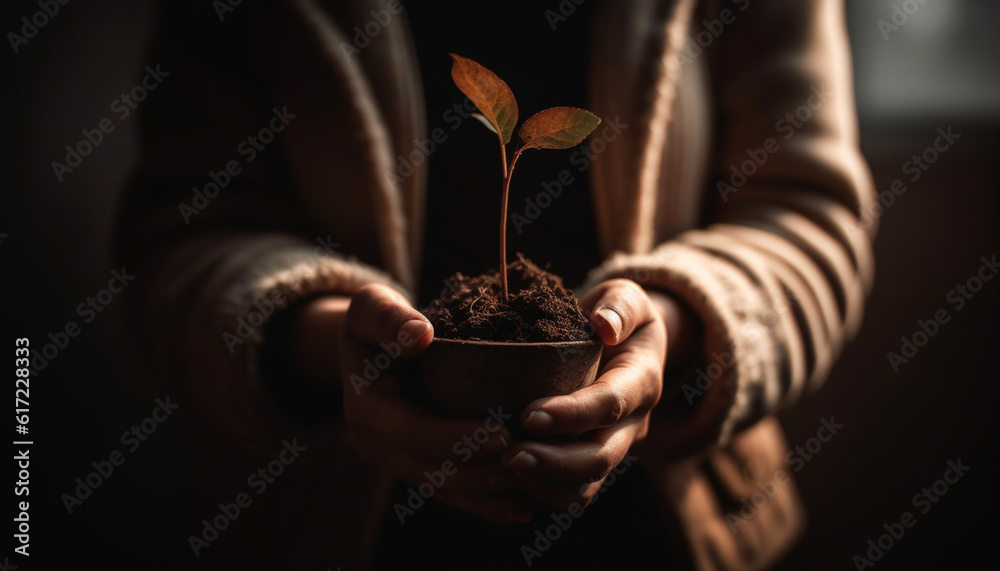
x,y
412,330
538,421
523,462
518,516
613,319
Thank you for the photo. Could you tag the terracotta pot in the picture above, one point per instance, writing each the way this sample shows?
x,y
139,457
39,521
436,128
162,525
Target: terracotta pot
x,y
465,379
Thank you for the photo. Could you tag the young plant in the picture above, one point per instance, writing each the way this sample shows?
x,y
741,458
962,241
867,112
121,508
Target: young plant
x,y
555,128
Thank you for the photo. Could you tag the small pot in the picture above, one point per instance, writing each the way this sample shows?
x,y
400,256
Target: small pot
x,y
465,379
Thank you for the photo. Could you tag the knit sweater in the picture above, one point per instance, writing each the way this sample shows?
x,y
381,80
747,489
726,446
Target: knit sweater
x,y
267,176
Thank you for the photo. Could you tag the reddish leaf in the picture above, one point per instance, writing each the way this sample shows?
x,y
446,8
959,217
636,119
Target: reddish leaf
x,y
488,92
557,128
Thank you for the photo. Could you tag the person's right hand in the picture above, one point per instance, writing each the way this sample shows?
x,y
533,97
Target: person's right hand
x,y
396,434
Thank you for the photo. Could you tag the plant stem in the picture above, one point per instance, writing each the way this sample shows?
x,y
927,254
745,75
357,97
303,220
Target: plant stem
x,y
503,222
508,172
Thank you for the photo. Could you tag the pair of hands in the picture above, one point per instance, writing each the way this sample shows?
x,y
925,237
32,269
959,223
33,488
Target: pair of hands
x,y
605,419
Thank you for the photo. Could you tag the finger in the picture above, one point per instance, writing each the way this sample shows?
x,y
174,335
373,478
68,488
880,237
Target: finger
x,y
380,316
616,308
494,508
626,384
580,461
391,419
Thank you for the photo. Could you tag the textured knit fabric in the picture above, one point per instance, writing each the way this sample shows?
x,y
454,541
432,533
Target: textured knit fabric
x,y
735,184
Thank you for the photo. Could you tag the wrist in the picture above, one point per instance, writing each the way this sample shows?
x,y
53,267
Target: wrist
x,y
683,330
314,337
298,359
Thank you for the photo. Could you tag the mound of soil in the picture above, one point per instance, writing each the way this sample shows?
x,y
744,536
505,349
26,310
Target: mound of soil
x,y
540,309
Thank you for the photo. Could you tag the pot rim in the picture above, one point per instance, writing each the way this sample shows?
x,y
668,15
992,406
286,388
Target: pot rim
x,y
583,343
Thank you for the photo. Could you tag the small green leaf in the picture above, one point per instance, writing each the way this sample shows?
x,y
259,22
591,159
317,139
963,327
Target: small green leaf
x,y
486,122
488,92
557,128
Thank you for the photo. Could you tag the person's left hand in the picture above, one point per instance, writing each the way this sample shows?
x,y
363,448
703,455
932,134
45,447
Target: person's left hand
x,y
610,415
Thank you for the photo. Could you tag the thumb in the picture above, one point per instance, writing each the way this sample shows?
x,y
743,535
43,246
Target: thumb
x,y
615,308
379,315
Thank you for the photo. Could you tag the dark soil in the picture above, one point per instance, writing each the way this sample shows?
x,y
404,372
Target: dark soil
x,y
540,309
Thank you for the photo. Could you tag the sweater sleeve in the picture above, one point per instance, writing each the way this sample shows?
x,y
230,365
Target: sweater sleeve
x,y
215,230
779,273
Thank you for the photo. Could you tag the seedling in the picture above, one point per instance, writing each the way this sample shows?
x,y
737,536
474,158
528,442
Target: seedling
x,y
555,128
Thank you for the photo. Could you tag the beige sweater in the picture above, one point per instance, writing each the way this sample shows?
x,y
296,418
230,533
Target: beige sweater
x,y
738,186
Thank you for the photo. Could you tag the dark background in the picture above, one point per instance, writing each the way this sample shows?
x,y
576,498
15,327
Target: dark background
x,y
900,428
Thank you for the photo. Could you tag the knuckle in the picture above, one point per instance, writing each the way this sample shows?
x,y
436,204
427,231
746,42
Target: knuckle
x,y
576,417
606,462
617,404
366,295
626,288
386,316
563,467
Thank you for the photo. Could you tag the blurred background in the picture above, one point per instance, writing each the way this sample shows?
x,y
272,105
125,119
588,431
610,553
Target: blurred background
x,y
937,70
